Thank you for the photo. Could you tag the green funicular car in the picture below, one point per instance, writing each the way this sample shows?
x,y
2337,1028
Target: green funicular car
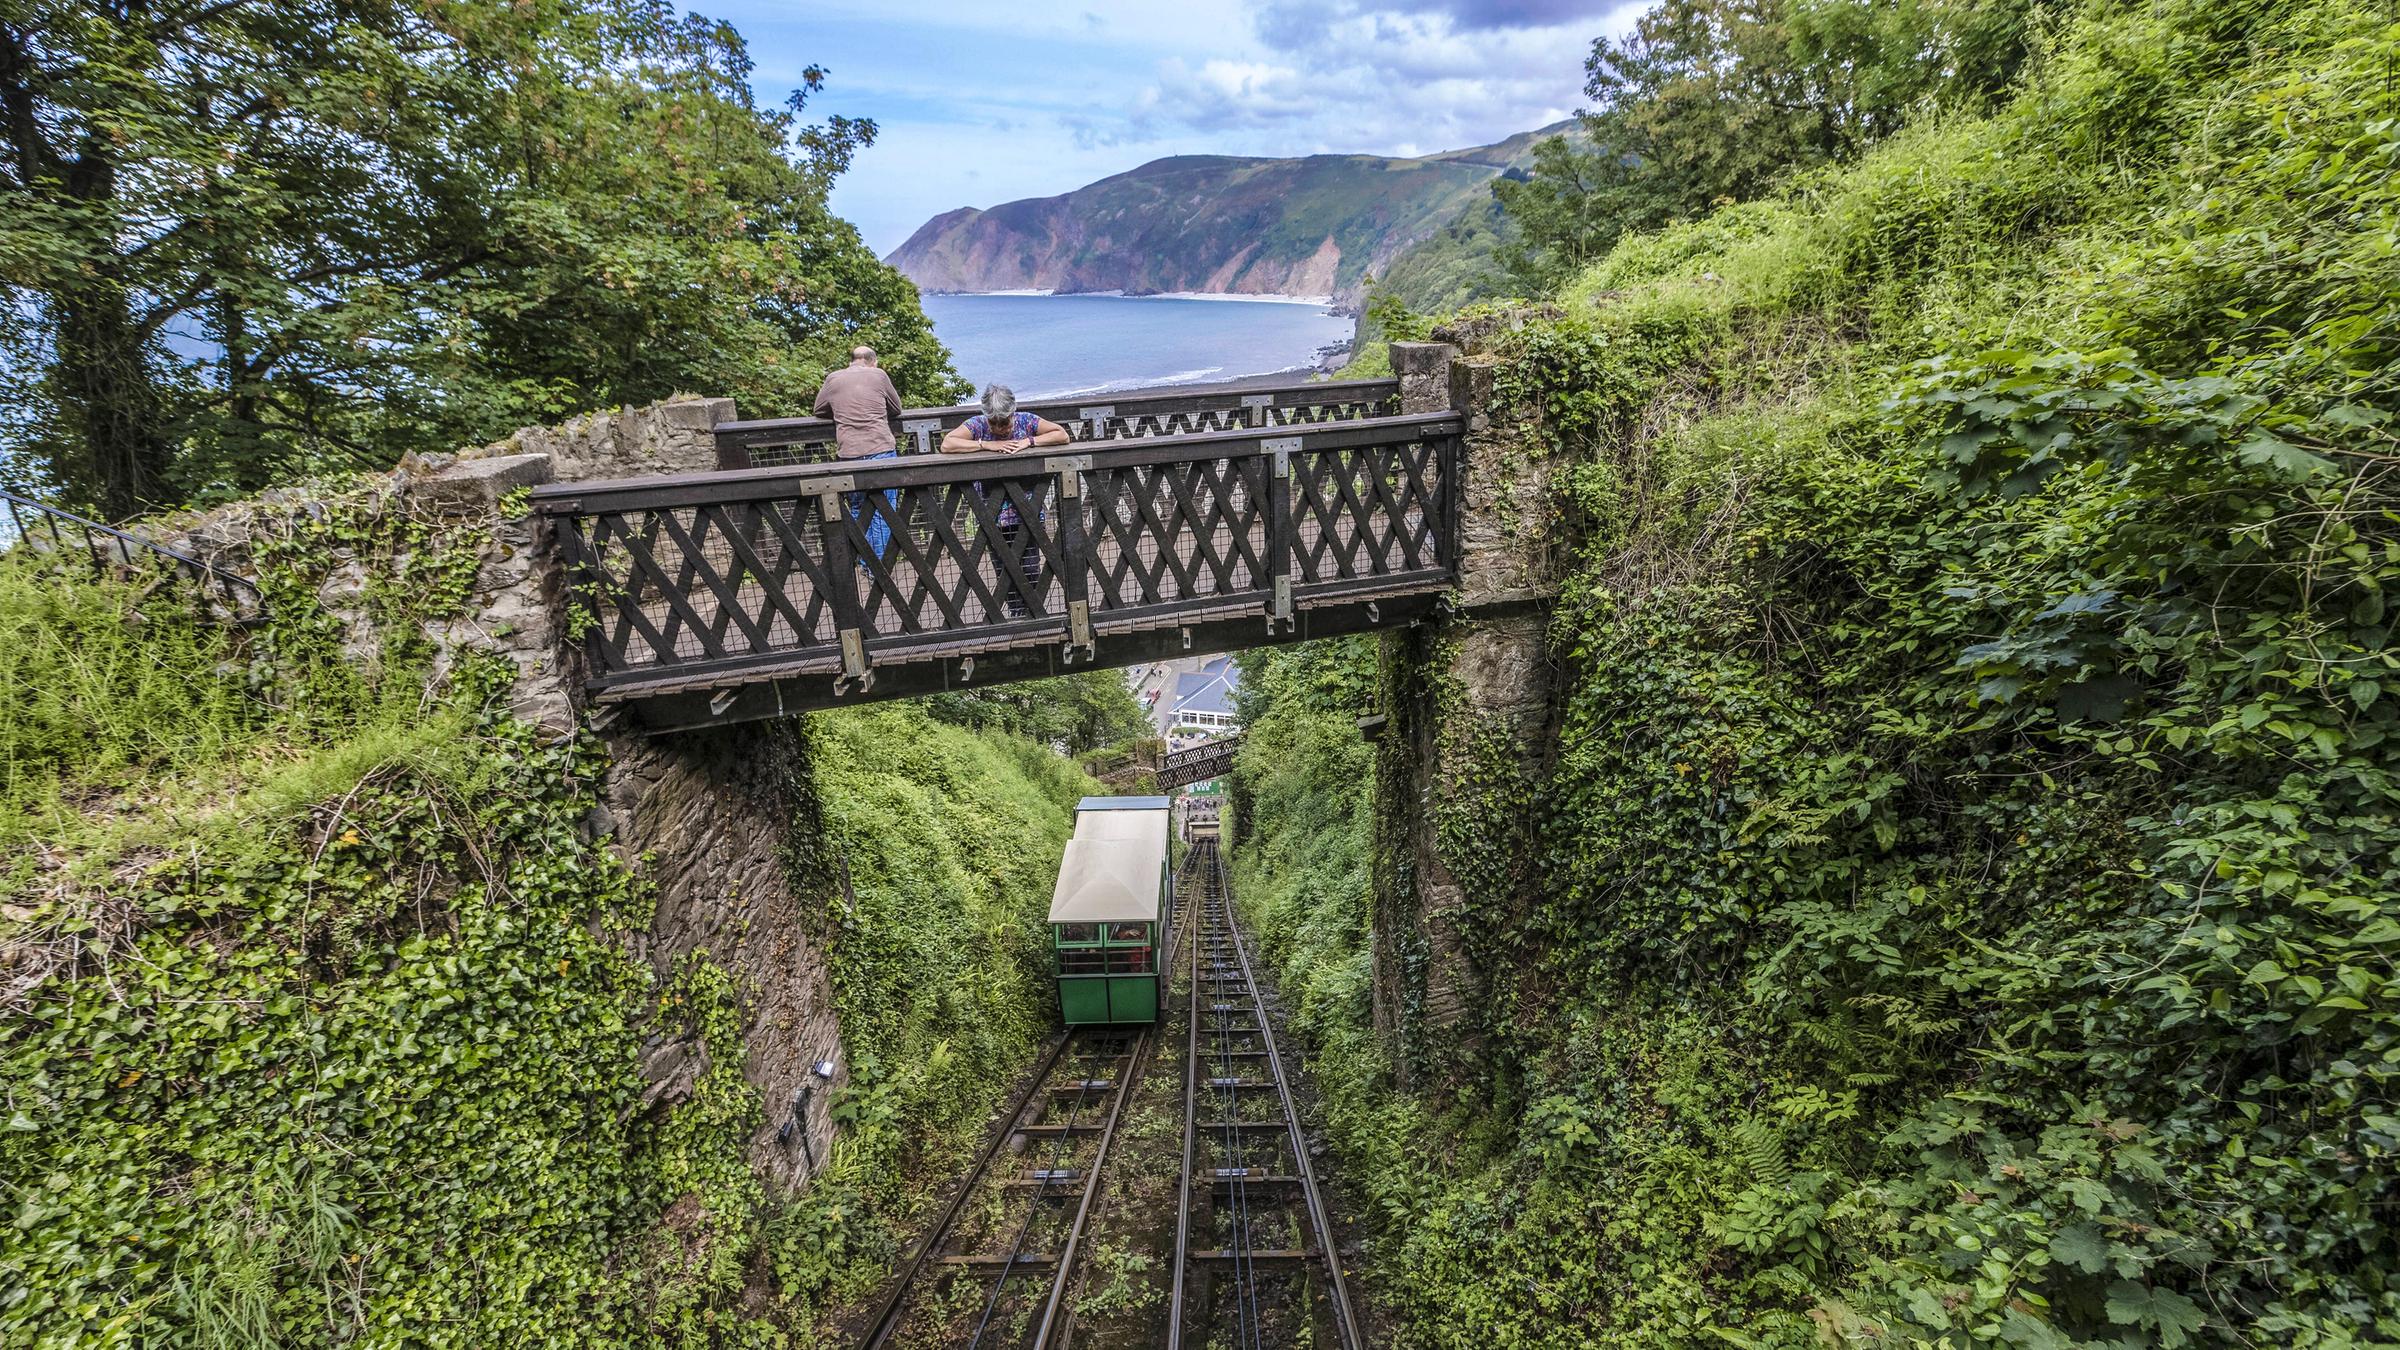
x,y
1109,914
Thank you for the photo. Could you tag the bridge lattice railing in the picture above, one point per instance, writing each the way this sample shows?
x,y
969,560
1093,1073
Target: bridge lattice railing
x,y
707,580
1198,764
1137,414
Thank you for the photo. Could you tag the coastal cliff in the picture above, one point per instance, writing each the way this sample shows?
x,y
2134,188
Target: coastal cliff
x,y
1318,226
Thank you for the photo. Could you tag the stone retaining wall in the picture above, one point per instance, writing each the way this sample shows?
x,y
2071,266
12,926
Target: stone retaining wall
x,y
705,817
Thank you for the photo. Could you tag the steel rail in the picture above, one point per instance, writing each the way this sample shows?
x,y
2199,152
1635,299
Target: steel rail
x,y
1033,1208
1091,1189
895,1304
889,1318
1091,1183
1191,1117
1344,1318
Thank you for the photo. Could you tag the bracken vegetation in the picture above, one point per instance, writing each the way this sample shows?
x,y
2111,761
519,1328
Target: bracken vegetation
x,y
1962,904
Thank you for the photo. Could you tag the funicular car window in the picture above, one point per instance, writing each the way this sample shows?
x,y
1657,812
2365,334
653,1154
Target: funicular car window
x,y
1093,962
1078,932
1129,932
1129,960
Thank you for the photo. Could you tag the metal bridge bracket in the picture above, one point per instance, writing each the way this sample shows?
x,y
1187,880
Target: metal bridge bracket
x,y
1070,470
1282,448
1079,626
1283,606
966,669
854,656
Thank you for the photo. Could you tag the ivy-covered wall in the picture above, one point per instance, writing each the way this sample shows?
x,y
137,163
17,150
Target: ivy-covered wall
x,y
337,1003
1961,905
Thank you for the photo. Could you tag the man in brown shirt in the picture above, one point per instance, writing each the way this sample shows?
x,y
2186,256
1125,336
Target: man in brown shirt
x,y
864,406
865,409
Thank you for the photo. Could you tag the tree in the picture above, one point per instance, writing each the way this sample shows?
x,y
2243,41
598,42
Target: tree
x,y
1718,100
1075,713
245,239
1566,211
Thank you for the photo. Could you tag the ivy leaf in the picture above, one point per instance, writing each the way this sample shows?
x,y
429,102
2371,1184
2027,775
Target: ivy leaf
x,y
2082,602
2080,1246
2287,460
2170,1314
2091,1196
2026,1332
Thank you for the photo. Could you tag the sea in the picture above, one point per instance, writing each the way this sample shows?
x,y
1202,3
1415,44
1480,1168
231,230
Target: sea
x,y
1062,346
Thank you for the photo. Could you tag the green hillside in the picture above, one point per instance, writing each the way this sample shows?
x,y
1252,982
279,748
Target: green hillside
x,y
324,1020
1961,906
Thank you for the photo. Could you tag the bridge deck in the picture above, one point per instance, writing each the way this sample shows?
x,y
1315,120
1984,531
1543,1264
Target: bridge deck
x,y
716,597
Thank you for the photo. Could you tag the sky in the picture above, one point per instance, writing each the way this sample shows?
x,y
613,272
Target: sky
x,y
981,103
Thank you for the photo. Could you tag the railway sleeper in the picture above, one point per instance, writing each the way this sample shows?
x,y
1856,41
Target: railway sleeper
x,y
1272,1255
1029,1262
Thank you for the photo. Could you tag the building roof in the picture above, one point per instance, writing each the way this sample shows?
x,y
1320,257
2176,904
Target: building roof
x,y
1203,691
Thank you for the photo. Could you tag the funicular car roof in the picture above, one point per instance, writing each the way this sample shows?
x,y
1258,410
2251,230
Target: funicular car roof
x,y
1114,866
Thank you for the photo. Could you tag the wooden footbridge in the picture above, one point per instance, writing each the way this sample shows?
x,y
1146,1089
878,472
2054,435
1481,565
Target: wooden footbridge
x,y
1181,520
1199,763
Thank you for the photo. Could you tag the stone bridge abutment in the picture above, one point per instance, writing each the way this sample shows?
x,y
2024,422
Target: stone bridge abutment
x,y
1467,726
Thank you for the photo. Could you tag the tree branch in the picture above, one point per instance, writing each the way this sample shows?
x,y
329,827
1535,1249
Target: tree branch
x,y
35,158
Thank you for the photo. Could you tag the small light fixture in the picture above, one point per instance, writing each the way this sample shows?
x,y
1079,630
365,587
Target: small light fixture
x,y
819,1072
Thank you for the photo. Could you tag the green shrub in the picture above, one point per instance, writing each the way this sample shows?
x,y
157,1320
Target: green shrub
x,y
1964,908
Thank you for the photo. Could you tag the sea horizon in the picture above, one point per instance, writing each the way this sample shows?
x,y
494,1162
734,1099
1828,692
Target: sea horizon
x,y
1087,343
1249,297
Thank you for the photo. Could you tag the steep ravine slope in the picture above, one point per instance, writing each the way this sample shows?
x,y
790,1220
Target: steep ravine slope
x,y
343,1001
1961,907
1214,223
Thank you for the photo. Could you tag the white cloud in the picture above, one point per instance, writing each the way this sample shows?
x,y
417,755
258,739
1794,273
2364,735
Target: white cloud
x,y
984,104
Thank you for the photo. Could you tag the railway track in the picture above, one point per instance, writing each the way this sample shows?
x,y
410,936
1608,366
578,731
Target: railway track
x,y
996,1268
1253,1265
1255,1261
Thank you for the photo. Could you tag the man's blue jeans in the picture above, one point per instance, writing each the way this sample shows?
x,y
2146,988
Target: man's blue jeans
x,y
879,528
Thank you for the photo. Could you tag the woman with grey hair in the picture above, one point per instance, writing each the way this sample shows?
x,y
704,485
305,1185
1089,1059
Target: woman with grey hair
x,y
1000,427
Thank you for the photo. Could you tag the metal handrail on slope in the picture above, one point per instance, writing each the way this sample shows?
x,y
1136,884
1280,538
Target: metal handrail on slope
x,y
105,545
